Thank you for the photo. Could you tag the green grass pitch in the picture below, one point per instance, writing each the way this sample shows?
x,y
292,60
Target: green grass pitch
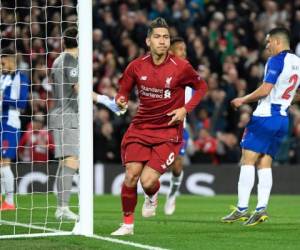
x,y
195,225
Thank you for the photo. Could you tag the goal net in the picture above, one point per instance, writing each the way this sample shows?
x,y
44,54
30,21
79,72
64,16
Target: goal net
x,y
36,161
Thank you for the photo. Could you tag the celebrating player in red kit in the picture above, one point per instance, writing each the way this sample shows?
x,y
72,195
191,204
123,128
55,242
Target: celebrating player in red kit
x,y
154,137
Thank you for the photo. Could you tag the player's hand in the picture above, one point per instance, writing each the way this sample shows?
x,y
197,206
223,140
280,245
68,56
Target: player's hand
x,y
121,102
76,88
178,115
237,102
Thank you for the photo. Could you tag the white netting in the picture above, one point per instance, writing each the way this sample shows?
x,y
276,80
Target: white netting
x,y
34,29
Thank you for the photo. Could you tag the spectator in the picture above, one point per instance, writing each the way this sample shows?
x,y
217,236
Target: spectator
x,y
36,144
106,147
205,148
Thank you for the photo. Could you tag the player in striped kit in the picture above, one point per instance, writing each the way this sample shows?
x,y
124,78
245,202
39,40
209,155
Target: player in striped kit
x,y
14,90
268,126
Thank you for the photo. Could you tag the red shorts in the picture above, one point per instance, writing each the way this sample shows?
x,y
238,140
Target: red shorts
x,y
152,152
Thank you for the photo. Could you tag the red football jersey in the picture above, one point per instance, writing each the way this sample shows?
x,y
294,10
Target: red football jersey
x,y
161,89
35,145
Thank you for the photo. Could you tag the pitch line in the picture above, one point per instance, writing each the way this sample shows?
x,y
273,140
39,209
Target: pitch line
x,y
129,243
51,231
55,232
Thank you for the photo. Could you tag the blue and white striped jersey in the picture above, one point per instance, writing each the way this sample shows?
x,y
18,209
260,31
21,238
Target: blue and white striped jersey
x,y
14,90
282,70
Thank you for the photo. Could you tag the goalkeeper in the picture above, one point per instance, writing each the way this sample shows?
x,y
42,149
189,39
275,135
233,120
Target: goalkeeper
x,y
63,119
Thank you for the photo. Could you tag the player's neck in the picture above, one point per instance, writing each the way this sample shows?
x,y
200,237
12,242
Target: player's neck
x,y
158,59
72,51
283,48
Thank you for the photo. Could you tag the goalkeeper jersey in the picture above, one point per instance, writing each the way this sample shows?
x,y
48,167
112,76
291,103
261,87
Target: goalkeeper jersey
x,y
64,76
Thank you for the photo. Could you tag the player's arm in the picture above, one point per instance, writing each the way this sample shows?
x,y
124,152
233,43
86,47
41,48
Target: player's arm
x,y
261,92
192,79
110,103
17,95
126,84
273,70
104,100
72,73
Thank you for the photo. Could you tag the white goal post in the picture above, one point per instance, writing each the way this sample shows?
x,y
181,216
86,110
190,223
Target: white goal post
x,y
85,226
34,210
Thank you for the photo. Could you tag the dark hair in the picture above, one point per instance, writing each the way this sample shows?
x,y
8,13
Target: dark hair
x,y
280,31
176,39
70,37
6,52
158,22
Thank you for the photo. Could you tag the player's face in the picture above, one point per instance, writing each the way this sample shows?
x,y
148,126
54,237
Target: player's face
x,y
8,64
271,43
159,41
179,49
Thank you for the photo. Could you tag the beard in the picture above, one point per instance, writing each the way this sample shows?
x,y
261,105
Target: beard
x,y
159,52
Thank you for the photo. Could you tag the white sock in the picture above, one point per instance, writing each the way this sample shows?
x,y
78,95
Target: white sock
x,y
175,184
2,188
7,178
245,185
264,187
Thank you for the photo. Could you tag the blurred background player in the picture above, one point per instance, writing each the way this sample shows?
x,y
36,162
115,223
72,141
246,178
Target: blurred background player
x,y
154,137
14,90
267,127
178,48
63,120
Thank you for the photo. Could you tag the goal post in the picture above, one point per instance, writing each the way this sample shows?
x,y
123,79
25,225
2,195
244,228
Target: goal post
x,y
85,117
34,29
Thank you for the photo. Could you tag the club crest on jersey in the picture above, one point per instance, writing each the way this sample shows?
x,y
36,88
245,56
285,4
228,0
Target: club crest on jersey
x,y
143,78
168,82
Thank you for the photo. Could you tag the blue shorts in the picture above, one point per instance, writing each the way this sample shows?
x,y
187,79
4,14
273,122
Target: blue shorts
x,y
9,141
265,134
185,139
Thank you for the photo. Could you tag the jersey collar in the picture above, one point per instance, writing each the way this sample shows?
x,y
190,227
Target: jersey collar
x,y
164,62
286,51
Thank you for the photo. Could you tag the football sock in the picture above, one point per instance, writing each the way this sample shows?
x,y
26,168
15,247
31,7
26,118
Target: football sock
x,y
242,209
129,201
7,178
245,185
264,187
175,184
64,185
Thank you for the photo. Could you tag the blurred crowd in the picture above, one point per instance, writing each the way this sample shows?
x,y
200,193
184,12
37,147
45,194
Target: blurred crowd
x,y
225,41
